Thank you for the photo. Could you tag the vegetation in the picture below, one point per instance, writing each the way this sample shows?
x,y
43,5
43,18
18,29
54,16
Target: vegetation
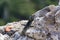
x,y
21,9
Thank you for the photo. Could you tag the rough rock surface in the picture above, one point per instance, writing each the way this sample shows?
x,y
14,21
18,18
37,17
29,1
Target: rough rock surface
x,y
43,28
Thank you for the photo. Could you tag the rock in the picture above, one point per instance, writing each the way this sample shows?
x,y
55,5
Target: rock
x,y
36,33
3,37
46,27
57,17
18,25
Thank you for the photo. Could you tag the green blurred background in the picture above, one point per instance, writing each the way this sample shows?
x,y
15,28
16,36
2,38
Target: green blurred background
x,y
16,10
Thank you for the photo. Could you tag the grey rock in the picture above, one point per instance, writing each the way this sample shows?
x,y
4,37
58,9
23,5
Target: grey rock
x,y
46,27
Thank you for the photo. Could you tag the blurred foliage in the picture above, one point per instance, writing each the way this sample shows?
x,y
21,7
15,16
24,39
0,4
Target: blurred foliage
x,y
21,9
13,19
2,22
